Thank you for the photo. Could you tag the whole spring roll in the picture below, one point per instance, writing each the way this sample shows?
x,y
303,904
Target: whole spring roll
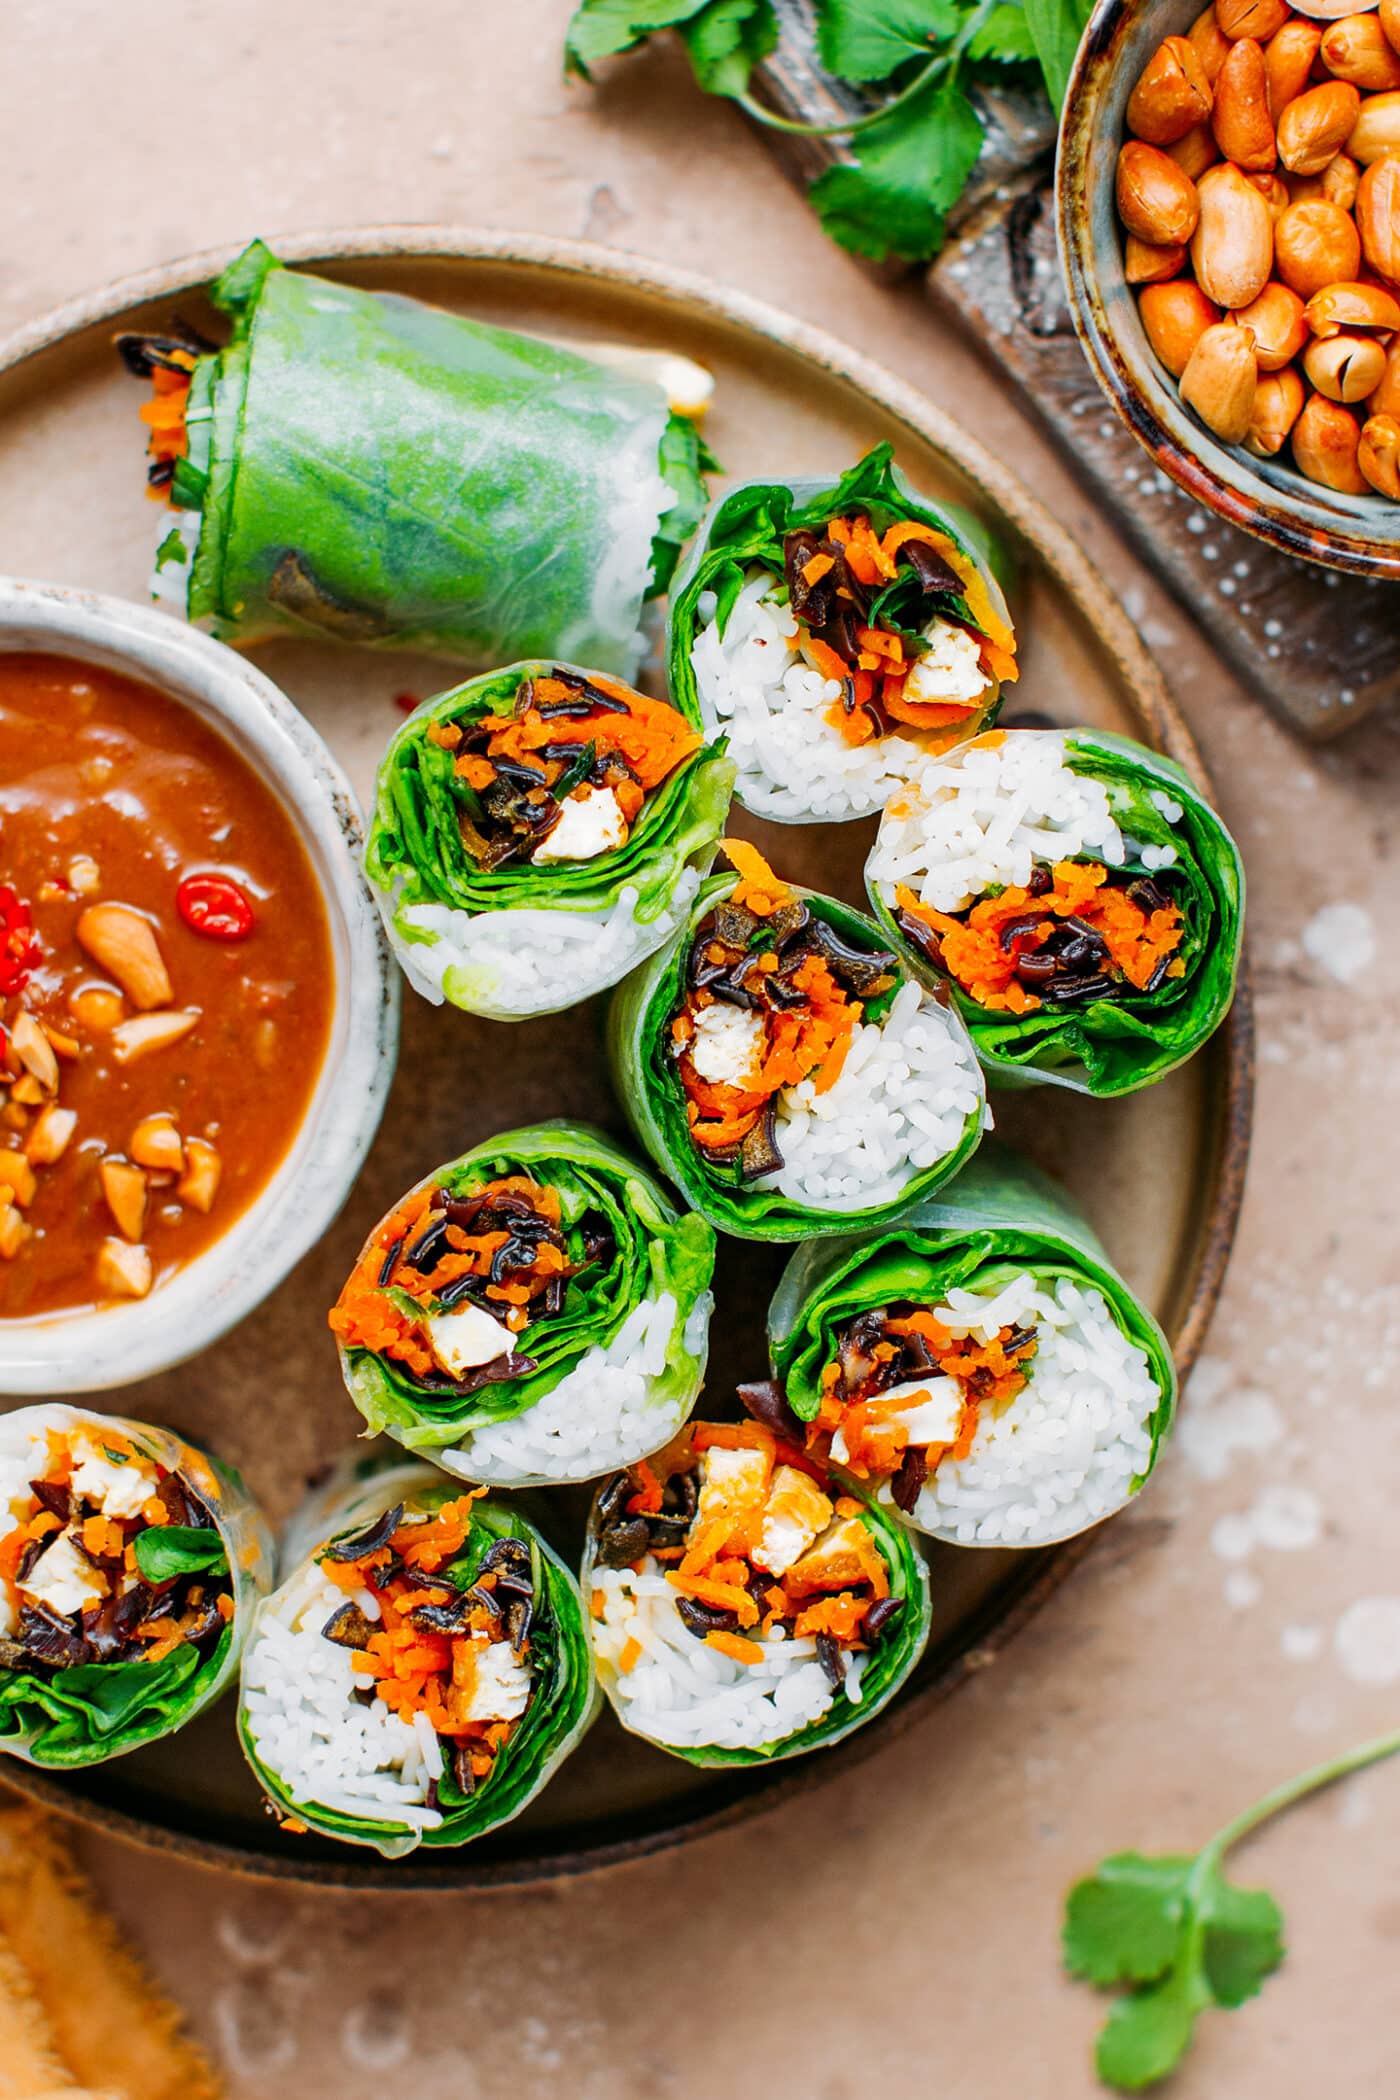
x,y
130,1566
743,1606
977,1365
837,633
535,1311
784,1069
421,1671
537,832
1079,895
359,467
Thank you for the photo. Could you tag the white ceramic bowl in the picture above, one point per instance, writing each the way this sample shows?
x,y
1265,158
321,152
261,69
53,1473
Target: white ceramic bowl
x,y
86,1351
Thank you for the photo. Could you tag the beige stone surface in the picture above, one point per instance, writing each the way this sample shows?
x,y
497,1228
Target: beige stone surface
x,y
895,1932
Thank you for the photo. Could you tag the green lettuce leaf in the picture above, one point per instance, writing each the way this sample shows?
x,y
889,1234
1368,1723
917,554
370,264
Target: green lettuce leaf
x,y
658,1251
179,1549
371,469
638,1038
1108,1047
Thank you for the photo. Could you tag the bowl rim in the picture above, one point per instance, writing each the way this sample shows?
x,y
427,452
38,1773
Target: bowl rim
x,y
1262,510
91,1350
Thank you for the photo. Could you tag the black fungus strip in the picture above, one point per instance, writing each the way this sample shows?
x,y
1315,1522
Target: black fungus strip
x,y
348,1627
370,1540
702,1619
832,1660
909,1480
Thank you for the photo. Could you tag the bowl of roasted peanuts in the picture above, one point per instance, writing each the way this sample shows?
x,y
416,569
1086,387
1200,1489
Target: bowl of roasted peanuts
x,y
1228,201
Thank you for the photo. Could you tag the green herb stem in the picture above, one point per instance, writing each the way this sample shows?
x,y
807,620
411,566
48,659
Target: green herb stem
x,y
943,62
1295,1790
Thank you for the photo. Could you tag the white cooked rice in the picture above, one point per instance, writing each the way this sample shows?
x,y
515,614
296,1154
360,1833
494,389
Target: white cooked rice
x,y
599,1417
327,1748
509,965
690,1696
753,685
982,817
900,1105
1066,1451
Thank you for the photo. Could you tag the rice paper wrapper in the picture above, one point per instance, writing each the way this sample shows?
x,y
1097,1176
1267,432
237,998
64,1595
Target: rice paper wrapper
x,y
1112,1047
522,940
745,528
96,1711
1000,1212
660,1255
893,1660
360,1487
374,470
638,1021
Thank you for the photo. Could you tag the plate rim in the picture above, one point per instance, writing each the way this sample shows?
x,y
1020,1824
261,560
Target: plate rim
x,y
1059,553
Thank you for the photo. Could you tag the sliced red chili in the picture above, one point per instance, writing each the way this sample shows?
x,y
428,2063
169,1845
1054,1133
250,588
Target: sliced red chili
x,y
19,950
215,906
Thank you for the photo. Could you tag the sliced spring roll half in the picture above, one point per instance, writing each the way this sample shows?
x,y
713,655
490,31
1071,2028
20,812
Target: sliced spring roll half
x,y
535,1311
356,466
743,1606
421,1672
130,1566
784,1069
978,1365
1079,895
537,832
837,633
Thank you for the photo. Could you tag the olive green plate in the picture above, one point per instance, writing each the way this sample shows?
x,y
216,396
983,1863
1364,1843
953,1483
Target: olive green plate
x,y
1160,1174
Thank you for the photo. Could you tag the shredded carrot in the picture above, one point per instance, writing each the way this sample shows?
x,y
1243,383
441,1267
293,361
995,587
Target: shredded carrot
x,y
732,1644
758,889
631,1655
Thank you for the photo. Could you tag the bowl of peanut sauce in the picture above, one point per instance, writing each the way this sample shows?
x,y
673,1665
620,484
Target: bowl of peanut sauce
x,y
198,1013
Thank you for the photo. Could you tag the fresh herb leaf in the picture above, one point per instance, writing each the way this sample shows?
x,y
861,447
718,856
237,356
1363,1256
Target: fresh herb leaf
x,y
1121,1925
867,40
1056,27
1146,2035
1005,37
912,169
726,40
1243,1942
604,28
167,1550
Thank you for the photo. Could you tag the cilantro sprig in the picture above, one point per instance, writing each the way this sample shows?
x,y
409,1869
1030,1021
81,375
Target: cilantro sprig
x,y
914,149
1176,1937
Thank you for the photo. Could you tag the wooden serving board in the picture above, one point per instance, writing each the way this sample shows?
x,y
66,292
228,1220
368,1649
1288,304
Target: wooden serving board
x,y
1320,648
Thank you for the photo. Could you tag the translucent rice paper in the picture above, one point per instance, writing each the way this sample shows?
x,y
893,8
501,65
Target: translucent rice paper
x,y
1114,1046
638,1037
522,940
1000,1213
894,1658
564,1703
660,1254
374,470
745,529
74,1717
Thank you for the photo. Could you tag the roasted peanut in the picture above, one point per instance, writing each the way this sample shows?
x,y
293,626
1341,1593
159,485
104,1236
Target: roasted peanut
x,y
1357,49
1174,318
1326,439
1276,321
1313,128
35,1052
1288,61
124,1191
1390,22
124,942
1376,131
1278,402
1232,248
123,1271
1210,47
1155,200
1378,217
1220,380
1378,455
1386,399
1345,367
1340,180
1172,94
1315,244
48,1140
1274,192
1145,264
1195,151
1259,19
147,1032
199,1184
1338,307
1244,130
155,1143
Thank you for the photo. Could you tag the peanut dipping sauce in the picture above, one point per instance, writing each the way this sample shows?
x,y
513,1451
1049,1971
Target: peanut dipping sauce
x,y
152,1076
